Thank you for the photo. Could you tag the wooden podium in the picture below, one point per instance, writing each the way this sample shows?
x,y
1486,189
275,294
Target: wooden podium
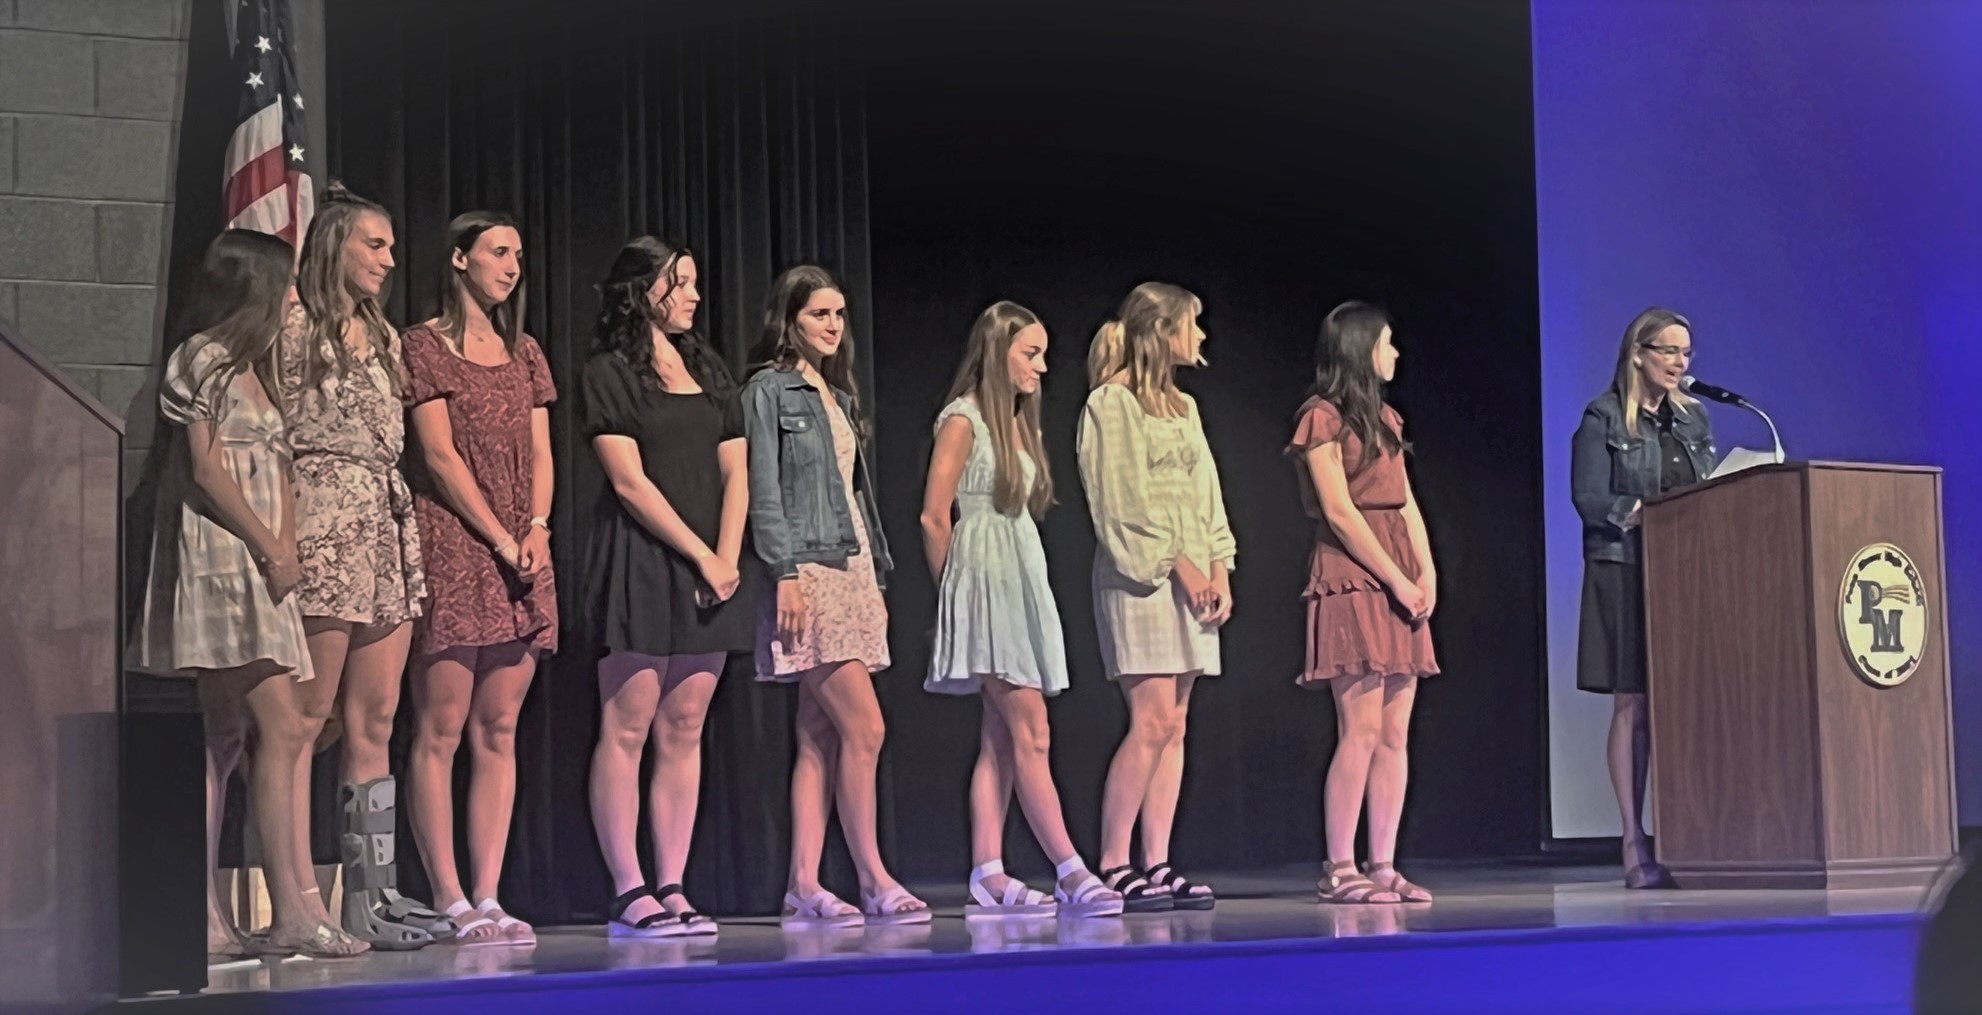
x,y
1800,711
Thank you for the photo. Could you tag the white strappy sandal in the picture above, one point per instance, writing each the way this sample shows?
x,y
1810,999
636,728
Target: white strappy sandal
x,y
514,931
468,919
820,909
1018,900
892,907
1090,898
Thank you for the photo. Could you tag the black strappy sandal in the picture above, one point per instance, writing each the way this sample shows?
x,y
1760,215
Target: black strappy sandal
x,y
691,921
661,924
1184,893
1138,895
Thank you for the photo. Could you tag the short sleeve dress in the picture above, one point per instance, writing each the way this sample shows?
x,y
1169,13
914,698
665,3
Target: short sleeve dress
x,y
355,532
1154,495
474,599
640,593
206,606
995,612
1355,629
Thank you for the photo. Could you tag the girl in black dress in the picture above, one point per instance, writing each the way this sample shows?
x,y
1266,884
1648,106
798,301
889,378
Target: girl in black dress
x,y
665,594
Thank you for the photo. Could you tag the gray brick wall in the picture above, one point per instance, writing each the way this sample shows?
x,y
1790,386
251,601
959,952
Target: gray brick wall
x,y
90,97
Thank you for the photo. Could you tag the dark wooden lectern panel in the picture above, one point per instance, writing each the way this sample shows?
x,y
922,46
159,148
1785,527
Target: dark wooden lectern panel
x,y
1732,694
60,618
1774,763
1886,797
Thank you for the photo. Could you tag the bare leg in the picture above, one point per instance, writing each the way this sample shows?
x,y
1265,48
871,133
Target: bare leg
x,y
1023,720
288,717
224,714
629,692
990,791
443,689
1153,723
674,794
373,669
330,645
811,789
1390,767
1358,726
846,693
503,679
1166,781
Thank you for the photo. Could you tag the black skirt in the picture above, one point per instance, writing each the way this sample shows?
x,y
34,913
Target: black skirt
x,y
1610,642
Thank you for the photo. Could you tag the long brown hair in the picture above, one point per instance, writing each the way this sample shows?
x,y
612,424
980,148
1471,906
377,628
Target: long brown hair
x,y
505,317
777,346
1345,376
326,293
1136,341
986,376
1627,382
236,302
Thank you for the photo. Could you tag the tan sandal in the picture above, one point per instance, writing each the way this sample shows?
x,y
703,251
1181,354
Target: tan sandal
x,y
1396,883
1342,884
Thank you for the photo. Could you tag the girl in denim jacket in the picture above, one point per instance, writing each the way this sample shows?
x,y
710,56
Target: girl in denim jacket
x,y
813,521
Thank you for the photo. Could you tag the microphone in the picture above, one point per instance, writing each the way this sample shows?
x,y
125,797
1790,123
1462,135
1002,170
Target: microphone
x,y
1694,386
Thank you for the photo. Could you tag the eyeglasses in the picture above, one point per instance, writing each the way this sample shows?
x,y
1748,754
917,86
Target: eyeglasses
x,y
1684,352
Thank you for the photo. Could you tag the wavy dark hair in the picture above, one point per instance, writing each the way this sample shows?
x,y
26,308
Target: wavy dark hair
x,y
1345,376
627,320
327,295
777,346
452,319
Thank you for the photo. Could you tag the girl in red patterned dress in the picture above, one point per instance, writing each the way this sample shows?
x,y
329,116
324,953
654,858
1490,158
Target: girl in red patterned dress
x,y
479,392
1371,590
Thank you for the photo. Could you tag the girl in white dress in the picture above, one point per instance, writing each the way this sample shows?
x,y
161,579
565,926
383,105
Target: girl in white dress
x,y
997,627
220,603
1162,572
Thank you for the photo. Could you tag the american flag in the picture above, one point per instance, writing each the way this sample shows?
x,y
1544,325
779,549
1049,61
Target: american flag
x,y
267,188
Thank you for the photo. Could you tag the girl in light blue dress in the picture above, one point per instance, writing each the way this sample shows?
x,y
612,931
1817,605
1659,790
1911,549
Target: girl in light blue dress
x,y
997,627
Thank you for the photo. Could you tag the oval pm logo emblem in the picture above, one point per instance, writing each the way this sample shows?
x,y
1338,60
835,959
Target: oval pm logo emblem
x,y
1882,614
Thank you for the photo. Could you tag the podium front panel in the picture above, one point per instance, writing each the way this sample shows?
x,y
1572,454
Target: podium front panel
x,y
1888,791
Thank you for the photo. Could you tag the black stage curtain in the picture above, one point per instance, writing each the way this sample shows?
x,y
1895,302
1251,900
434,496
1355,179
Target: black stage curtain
x,y
737,131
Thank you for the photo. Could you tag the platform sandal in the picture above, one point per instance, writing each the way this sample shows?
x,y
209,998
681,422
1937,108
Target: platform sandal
x,y
1016,900
1184,893
657,924
693,924
1090,898
1138,895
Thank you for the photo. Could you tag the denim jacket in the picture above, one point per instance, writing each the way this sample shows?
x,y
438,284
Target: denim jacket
x,y
798,507
1612,469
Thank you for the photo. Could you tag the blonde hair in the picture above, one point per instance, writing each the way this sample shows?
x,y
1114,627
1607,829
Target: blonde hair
x,y
326,294
985,376
1136,342
1628,382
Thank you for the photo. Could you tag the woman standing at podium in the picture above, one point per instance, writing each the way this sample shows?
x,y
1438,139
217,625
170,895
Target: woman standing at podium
x,y
1641,438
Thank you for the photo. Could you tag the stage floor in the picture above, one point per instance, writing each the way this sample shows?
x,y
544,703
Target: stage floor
x,y
1479,905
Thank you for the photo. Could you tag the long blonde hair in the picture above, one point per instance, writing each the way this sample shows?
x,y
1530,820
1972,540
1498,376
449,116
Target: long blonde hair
x,y
985,376
326,294
1136,341
1628,382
